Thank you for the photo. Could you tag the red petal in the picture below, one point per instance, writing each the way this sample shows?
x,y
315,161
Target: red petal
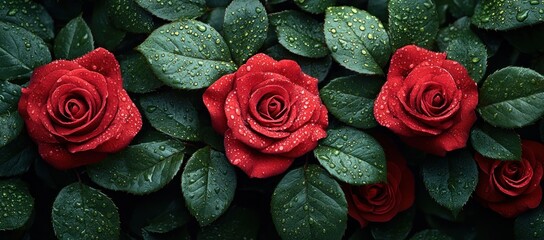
x,y
407,57
61,159
102,61
214,98
252,162
518,205
304,140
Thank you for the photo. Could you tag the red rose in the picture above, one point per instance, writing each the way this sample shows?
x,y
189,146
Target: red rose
x,y
380,202
512,187
427,100
270,113
77,111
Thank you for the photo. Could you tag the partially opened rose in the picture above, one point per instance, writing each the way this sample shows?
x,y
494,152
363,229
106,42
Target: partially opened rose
x,y
381,202
270,113
428,100
77,111
512,187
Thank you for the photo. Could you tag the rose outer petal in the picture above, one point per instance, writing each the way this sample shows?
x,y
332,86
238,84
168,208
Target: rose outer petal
x,y
253,163
214,99
102,61
60,158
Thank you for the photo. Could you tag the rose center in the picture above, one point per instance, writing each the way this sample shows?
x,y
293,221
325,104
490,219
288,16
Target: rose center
x,y
75,108
272,107
438,100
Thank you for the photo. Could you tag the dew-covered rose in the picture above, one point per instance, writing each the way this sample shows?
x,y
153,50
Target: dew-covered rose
x,y
77,111
512,187
427,100
269,112
380,202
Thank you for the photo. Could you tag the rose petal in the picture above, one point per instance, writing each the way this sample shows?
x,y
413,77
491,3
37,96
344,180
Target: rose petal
x,y
214,98
60,158
253,163
517,205
407,57
304,140
102,61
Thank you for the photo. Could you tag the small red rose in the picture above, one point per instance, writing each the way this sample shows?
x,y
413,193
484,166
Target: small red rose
x,y
512,187
269,112
77,111
427,100
380,202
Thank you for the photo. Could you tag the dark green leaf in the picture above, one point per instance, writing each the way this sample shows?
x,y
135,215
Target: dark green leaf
x,y
528,39
451,180
104,33
174,10
300,33
245,26
21,51
431,234
352,156
217,3
378,8
187,54
315,67
177,234
28,15
174,215
82,212
529,225
16,204
139,169
17,156
11,122
314,6
461,8
512,97
160,212
215,18
542,130
463,46
496,143
171,113
397,228
351,99
129,16
357,40
236,223
507,14
137,75
74,40
309,204
208,183
472,55
412,22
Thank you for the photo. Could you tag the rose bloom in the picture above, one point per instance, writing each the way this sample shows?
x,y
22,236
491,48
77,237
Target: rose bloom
x,y
269,112
511,187
427,100
77,111
380,202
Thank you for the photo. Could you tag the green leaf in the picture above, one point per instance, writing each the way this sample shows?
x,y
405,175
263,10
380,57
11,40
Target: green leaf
x,y
174,215
208,184
507,14
11,123
315,67
431,234
236,223
215,18
28,15
161,212
512,97
309,204
378,8
397,228
300,33
177,234
496,143
529,225
412,22
137,74
139,169
314,6
187,54
129,16
357,40
104,33
352,156
82,212
16,204
351,99
171,113
174,10
17,156
21,51
245,26
463,46
451,180
472,55
74,40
